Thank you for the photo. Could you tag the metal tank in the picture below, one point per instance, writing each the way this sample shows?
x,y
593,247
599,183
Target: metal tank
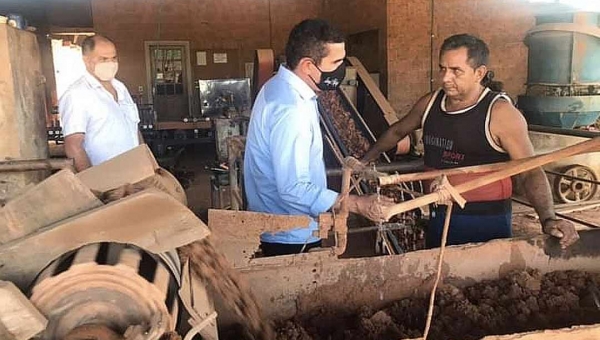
x,y
563,83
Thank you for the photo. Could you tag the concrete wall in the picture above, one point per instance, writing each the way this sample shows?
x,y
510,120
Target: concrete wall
x,y
501,23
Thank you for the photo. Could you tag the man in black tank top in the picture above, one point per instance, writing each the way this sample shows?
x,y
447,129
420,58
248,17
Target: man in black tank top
x,y
467,123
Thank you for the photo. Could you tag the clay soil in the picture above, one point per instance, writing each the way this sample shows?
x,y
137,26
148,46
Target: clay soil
x,y
521,301
352,138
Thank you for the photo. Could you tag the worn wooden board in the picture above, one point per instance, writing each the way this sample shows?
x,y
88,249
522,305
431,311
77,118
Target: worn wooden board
x,y
58,197
22,107
19,319
130,167
150,219
251,224
236,233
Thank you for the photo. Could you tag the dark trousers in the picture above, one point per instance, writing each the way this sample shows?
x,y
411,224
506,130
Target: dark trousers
x,y
468,228
274,249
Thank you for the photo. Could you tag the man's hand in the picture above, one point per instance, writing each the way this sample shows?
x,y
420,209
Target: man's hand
x,y
354,164
74,150
564,230
370,206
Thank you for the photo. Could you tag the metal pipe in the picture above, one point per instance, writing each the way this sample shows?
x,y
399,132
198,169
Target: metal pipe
x,y
404,167
384,226
568,132
36,165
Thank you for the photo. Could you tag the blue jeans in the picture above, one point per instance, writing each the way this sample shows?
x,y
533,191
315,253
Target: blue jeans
x,y
467,228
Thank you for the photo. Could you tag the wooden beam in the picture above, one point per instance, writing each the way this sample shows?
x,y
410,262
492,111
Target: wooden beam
x,y
252,224
530,164
389,113
237,233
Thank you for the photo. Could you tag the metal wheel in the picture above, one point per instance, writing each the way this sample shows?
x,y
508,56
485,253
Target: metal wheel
x,y
570,190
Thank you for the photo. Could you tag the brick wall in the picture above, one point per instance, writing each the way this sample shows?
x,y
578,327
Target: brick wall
x,y
501,23
240,26
356,16
237,27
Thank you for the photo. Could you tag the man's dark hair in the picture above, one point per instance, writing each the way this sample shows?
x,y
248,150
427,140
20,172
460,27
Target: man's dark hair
x,y
89,43
477,51
478,54
308,39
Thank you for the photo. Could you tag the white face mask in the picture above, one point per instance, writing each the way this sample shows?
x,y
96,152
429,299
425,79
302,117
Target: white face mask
x,y
106,71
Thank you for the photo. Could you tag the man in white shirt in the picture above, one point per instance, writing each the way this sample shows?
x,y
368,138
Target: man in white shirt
x,y
98,115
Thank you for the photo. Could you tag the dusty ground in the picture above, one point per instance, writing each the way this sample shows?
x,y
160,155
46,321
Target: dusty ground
x,y
528,226
522,301
193,172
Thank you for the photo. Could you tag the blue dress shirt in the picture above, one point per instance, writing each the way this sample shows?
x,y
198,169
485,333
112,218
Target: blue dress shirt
x,y
284,171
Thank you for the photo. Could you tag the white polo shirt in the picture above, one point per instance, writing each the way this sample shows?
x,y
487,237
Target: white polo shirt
x,y
110,127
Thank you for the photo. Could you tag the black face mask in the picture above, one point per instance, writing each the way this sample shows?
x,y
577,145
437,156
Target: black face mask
x,y
331,80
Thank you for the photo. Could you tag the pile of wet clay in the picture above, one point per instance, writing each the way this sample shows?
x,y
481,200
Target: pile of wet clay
x,y
520,302
351,136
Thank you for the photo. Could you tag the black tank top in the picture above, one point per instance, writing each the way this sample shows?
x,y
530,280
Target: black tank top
x,y
460,138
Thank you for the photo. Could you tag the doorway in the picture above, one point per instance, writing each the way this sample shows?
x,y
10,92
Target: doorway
x,y
365,46
168,73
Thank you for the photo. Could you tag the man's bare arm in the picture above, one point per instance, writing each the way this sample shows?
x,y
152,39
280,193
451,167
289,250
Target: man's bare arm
x,y
399,130
74,150
509,129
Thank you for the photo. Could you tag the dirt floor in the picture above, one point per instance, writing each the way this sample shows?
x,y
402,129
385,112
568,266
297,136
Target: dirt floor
x,y
526,224
193,171
521,301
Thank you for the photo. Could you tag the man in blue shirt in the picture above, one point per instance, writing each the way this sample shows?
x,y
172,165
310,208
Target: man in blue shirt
x,y
284,171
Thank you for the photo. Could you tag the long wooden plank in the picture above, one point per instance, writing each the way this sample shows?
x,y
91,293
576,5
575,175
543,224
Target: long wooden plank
x,y
58,197
236,233
130,167
389,113
531,163
151,220
475,169
251,224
